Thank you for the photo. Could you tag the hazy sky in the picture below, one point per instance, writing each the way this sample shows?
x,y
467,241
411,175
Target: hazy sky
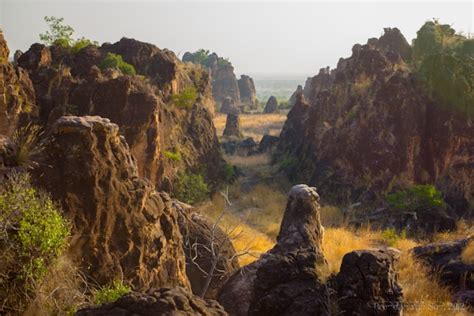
x,y
258,37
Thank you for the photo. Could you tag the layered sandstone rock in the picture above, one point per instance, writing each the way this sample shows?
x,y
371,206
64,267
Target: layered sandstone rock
x,y
17,97
284,281
368,128
163,301
367,283
248,94
122,229
271,106
141,105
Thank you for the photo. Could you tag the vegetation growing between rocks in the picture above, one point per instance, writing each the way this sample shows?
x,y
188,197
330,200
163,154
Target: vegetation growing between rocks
x,y
111,293
203,57
417,197
186,98
172,155
191,187
114,61
33,234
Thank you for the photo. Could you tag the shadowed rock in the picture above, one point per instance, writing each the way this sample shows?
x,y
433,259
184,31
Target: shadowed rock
x,y
122,229
232,125
163,301
367,283
284,281
268,143
292,99
248,94
271,106
229,106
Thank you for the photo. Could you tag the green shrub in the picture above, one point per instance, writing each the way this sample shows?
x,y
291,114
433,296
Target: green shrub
x,y
82,43
417,197
111,293
390,236
229,172
191,188
32,235
115,61
58,33
174,156
185,99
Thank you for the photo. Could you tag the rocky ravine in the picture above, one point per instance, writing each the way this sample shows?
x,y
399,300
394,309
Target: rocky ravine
x,y
67,83
367,127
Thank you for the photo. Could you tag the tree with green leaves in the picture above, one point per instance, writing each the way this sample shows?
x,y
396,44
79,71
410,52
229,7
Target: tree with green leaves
x,y
58,33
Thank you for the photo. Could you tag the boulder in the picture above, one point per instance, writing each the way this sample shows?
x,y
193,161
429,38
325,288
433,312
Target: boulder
x,y
232,125
284,281
271,106
367,283
444,260
245,147
267,143
292,99
122,229
163,301
248,94
204,246
465,298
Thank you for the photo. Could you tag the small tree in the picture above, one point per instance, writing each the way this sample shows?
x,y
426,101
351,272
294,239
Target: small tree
x,y
115,61
58,33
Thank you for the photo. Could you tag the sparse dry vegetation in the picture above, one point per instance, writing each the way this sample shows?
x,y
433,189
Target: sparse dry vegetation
x,y
254,126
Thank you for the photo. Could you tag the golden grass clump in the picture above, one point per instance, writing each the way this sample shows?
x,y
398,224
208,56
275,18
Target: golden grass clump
x,y
467,255
254,125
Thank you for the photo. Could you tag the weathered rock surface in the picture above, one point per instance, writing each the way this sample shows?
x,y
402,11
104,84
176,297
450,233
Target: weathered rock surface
x,y
248,93
141,105
267,143
245,147
17,97
292,99
232,125
367,283
224,81
445,260
284,281
163,301
122,229
370,128
204,246
229,106
271,106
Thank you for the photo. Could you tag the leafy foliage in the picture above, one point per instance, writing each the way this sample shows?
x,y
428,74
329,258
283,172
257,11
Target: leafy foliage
x,y
174,156
111,293
115,61
81,44
32,235
444,62
391,237
185,99
417,197
205,58
58,33
191,188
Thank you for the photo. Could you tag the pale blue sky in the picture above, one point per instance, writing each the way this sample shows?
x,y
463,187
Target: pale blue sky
x,y
262,37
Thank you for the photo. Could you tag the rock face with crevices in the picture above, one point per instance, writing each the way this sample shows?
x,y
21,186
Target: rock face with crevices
x,y
367,283
17,96
122,229
162,302
368,128
284,281
248,94
142,105
271,106
232,125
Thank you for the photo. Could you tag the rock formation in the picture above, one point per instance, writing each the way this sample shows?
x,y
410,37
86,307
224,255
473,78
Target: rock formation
x,y
284,281
248,94
143,105
245,147
229,106
204,246
163,301
369,128
445,261
271,106
268,143
122,228
17,96
292,99
367,283
232,125
224,81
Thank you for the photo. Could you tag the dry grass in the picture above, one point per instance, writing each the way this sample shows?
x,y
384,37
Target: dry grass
x,y
463,230
254,125
468,253
248,161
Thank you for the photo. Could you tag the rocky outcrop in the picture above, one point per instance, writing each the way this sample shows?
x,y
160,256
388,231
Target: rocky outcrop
x,y
367,283
271,106
17,97
163,301
248,94
142,105
292,99
369,128
284,281
445,261
122,229
229,106
210,256
232,125
267,143
245,147
224,81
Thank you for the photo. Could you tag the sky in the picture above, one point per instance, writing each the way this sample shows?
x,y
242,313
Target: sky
x,y
258,37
